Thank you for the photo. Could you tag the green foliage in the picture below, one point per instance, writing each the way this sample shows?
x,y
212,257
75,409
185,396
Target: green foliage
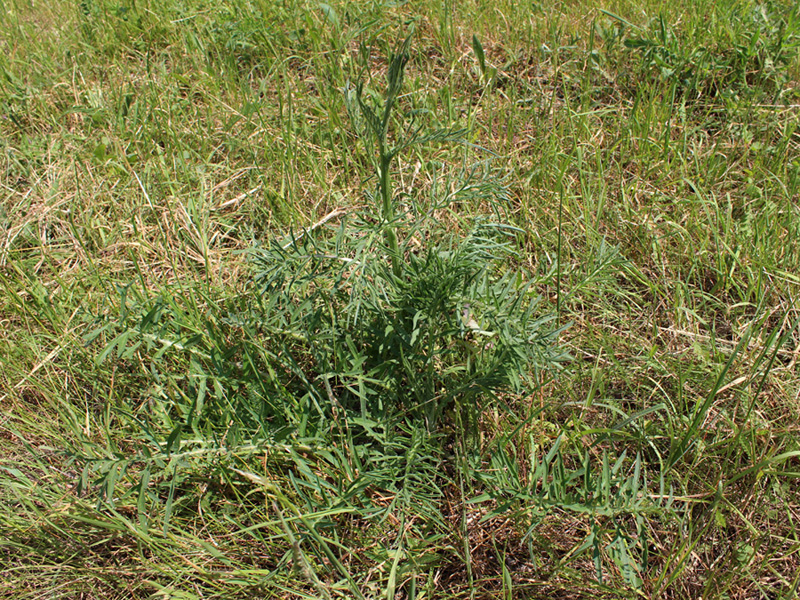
x,y
759,42
197,406
617,495
361,318
385,343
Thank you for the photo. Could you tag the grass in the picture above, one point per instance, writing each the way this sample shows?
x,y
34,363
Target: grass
x,y
258,343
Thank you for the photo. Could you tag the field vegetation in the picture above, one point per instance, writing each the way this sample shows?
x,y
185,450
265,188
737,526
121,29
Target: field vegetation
x,y
403,300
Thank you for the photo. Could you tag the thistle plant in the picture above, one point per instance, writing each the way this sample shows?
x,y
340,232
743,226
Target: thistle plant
x,y
397,316
387,315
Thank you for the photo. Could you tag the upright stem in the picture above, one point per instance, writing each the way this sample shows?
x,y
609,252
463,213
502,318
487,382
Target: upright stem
x,y
388,209
381,129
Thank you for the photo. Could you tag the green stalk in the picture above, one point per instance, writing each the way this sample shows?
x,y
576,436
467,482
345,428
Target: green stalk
x,y
395,75
388,210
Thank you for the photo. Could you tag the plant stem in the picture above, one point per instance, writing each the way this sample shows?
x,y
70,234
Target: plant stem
x,y
388,208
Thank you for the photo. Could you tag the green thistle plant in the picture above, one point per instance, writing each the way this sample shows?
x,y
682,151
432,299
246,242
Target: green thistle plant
x,y
376,318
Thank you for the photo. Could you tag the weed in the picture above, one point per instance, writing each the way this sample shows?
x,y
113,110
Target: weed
x,y
273,325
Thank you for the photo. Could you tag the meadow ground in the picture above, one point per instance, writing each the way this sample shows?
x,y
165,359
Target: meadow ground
x,y
529,332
